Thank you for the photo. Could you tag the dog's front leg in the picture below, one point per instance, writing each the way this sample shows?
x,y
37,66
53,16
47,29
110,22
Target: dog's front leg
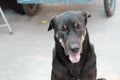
x,y
61,76
60,72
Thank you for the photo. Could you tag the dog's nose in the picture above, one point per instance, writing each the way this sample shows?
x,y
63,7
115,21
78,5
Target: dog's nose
x,y
74,48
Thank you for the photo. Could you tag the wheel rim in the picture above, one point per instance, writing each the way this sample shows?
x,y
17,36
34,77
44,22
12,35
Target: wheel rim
x,y
32,7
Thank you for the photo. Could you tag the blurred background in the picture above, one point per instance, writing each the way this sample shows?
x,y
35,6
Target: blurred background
x,y
27,53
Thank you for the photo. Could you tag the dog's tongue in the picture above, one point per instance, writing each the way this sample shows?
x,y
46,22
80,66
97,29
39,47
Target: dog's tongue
x,y
74,58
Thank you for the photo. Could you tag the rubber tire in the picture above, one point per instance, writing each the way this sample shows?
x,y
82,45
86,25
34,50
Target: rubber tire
x,y
16,7
30,12
107,8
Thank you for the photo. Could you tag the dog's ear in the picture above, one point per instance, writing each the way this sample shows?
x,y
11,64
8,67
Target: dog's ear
x,y
51,24
86,15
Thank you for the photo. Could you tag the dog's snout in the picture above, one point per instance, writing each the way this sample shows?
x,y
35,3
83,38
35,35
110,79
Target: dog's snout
x,y
74,48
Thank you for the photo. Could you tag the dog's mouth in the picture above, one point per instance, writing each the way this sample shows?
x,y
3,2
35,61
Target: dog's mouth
x,y
75,58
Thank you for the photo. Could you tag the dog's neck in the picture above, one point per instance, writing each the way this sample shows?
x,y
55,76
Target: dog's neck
x,y
86,44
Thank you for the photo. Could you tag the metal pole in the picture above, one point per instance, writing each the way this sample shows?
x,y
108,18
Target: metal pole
x,y
7,24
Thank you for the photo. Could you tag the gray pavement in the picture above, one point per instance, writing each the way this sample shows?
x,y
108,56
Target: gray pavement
x,y
27,54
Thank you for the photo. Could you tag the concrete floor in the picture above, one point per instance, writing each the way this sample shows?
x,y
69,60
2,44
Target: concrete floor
x,y
26,55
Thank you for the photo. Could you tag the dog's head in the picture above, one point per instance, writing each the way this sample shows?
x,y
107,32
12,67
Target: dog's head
x,y
70,30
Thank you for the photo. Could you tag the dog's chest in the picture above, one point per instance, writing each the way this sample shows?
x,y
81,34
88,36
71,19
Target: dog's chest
x,y
75,70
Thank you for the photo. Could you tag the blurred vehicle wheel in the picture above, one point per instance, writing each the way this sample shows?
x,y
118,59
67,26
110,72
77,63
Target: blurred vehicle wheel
x,y
109,6
31,9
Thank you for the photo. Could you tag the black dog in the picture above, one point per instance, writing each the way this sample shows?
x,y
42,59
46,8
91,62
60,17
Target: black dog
x,y
73,56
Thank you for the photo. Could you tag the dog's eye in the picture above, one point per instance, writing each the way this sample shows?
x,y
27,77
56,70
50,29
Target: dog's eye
x,y
64,28
77,26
